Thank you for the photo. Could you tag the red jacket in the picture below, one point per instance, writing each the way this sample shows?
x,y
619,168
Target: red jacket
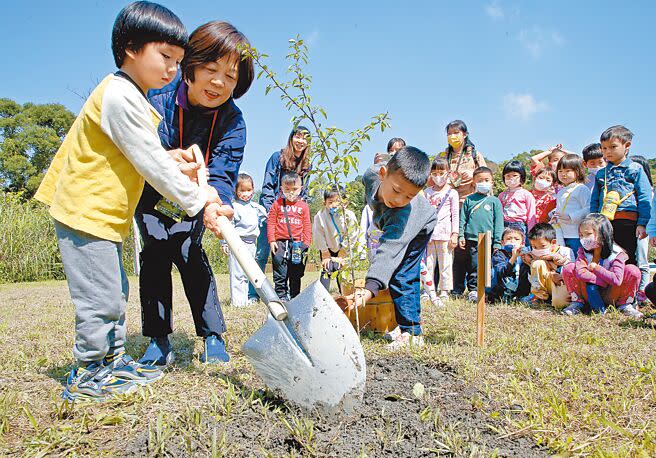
x,y
299,221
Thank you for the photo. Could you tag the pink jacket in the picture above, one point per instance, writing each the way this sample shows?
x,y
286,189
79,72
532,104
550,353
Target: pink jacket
x,y
609,271
448,217
518,206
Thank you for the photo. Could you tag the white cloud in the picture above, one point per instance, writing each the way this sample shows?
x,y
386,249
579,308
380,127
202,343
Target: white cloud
x,y
494,10
312,38
523,106
536,39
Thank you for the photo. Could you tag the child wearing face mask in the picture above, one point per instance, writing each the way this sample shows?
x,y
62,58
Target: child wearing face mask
x,y
445,235
544,194
329,232
546,260
509,273
480,212
518,203
593,160
289,232
552,155
247,219
601,276
572,201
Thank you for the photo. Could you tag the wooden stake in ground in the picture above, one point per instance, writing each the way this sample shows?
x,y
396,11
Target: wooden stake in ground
x,y
484,281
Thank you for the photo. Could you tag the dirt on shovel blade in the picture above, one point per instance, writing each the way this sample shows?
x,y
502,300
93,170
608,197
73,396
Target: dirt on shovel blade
x,y
409,409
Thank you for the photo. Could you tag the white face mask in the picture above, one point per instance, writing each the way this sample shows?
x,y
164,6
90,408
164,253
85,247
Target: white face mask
x,y
483,188
245,196
439,180
542,185
513,182
290,196
589,243
594,170
540,252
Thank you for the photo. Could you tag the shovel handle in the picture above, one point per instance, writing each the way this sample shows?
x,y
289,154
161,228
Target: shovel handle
x,y
240,252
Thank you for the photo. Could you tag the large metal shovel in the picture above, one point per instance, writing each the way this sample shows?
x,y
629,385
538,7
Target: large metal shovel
x,y
307,349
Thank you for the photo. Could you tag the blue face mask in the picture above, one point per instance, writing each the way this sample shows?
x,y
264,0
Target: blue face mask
x,y
333,210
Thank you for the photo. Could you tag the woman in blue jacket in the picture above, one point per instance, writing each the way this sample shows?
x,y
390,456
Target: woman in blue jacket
x,y
197,108
294,157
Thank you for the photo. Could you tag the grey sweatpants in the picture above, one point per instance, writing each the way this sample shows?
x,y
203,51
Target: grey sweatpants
x,y
99,291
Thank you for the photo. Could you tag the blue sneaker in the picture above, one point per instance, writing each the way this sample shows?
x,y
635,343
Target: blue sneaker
x,y
215,350
158,353
94,382
124,367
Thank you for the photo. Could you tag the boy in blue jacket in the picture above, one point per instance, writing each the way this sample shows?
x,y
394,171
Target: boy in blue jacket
x,y
510,276
628,179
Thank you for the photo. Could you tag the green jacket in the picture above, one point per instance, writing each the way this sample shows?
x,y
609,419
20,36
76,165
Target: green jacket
x,y
480,213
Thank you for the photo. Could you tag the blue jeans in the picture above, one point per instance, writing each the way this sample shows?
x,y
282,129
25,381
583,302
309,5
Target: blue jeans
x,y
262,253
404,286
574,244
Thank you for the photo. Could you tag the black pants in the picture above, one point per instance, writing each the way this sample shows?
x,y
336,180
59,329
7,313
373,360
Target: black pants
x,y
287,276
165,243
624,234
465,267
325,275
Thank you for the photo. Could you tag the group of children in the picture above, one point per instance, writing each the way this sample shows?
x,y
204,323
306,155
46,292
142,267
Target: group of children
x,y
576,240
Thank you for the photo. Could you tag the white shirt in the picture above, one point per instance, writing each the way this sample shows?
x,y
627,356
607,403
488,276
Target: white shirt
x,y
573,204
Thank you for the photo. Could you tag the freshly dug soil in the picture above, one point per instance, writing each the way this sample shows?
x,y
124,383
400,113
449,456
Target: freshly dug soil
x,y
391,421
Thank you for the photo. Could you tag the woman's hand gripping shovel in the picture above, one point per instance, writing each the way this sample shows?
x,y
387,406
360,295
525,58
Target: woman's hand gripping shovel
x,y
307,349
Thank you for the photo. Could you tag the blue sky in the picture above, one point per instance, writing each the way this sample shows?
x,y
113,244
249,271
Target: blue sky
x,y
522,75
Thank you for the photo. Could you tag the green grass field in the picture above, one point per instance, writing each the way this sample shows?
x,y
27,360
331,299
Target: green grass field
x,y
579,386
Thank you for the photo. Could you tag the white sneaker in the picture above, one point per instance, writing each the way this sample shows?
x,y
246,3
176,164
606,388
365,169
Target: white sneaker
x,y
438,302
404,340
472,296
630,310
444,295
393,334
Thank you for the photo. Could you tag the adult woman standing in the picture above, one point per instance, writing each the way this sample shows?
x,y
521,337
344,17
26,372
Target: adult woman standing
x,y
197,108
463,159
294,157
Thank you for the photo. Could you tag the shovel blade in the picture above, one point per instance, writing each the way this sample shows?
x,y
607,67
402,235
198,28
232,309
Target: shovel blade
x,y
314,357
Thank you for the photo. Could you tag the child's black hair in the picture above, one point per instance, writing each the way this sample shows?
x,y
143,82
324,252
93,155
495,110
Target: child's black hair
x,y
290,178
645,166
572,162
604,230
515,166
549,171
244,177
482,169
542,231
412,163
140,23
458,125
394,141
333,192
592,151
510,230
439,163
620,132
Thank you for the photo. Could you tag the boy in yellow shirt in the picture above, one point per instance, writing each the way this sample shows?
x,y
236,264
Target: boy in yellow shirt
x,y
93,186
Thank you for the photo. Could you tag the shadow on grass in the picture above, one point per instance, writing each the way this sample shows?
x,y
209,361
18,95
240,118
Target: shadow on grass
x,y
135,345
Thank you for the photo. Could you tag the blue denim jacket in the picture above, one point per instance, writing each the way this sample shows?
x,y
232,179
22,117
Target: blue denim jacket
x,y
625,177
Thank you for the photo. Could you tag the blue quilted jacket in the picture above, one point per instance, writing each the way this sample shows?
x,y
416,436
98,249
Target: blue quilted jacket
x,y
226,145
